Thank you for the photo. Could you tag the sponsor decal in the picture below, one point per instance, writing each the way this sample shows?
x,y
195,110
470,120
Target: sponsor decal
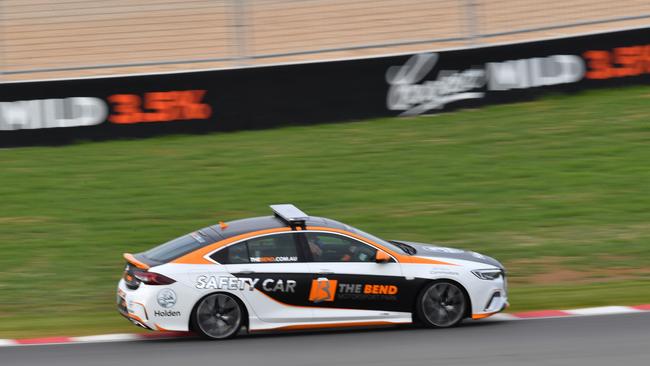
x,y
273,259
618,62
166,298
409,93
534,72
241,284
166,313
52,113
444,272
443,250
380,289
477,255
198,237
324,289
271,285
226,283
159,106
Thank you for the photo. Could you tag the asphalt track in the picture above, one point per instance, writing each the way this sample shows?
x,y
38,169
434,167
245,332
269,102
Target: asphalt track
x,y
619,340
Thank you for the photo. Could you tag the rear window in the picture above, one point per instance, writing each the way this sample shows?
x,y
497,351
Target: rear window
x,y
177,247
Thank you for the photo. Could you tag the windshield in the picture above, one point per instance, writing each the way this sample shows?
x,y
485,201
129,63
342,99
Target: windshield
x,y
378,240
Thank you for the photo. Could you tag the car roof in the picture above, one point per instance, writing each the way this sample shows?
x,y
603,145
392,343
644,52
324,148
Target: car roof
x,y
244,226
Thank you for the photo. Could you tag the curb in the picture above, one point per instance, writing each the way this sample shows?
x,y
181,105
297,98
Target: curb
x,y
130,337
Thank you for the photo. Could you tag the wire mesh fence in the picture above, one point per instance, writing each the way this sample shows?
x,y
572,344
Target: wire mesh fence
x,y
62,38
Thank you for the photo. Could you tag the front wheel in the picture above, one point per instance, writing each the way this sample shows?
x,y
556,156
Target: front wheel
x,y
441,304
218,316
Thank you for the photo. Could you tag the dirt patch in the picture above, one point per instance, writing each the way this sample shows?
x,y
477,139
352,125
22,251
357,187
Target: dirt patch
x,y
23,219
555,270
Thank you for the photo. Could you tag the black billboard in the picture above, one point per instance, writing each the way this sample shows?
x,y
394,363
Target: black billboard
x,y
56,112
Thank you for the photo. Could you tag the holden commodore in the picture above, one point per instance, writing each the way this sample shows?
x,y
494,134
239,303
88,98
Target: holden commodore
x,y
293,271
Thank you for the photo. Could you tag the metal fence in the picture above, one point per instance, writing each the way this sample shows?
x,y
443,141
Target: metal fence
x,y
42,39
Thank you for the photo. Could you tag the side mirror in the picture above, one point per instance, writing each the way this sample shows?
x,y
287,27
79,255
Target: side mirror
x,y
382,257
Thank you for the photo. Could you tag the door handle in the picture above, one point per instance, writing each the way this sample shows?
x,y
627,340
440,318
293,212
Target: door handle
x,y
245,272
325,272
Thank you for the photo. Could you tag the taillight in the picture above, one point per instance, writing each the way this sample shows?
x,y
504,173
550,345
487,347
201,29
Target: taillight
x,y
152,278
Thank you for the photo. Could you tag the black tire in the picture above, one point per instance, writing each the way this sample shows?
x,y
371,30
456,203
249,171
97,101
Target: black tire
x,y
218,316
442,304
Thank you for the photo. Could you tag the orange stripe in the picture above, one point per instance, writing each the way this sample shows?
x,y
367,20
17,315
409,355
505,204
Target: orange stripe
x,y
161,328
131,259
284,304
132,316
196,257
482,316
143,308
419,260
400,257
303,306
329,325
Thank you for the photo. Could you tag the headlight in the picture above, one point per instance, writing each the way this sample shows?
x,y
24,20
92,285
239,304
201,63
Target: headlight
x,y
487,274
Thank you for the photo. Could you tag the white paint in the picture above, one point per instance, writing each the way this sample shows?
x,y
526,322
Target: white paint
x,y
7,342
604,310
502,317
117,337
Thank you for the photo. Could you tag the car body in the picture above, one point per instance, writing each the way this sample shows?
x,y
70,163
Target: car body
x,y
294,271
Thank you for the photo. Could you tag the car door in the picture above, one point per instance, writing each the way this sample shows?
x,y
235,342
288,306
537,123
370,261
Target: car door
x,y
273,274
348,284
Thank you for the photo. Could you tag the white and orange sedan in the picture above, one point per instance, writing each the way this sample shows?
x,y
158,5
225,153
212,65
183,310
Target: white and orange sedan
x,y
294,271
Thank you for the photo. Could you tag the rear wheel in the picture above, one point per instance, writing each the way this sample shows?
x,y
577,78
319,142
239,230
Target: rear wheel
x,y
441,304
218,316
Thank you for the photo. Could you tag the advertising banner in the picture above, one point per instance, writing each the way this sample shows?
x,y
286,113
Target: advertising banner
x,y
63,111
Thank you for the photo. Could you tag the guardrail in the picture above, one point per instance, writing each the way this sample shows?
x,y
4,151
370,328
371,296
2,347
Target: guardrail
x,y
71,38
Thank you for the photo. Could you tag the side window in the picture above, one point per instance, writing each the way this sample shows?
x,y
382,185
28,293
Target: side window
x,y
273,249
234,254
265,249
326,247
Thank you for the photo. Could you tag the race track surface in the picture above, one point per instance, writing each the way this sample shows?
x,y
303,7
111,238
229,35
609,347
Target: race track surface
x,y
619,340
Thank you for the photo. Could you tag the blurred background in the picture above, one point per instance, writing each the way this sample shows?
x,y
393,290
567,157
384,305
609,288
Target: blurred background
x,y
64,38
557,188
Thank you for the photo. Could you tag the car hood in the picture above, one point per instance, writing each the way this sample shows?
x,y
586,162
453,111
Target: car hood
x,y
431,250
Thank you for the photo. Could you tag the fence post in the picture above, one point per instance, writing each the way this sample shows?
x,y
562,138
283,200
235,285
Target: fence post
x,y
240,25
472,22
2,41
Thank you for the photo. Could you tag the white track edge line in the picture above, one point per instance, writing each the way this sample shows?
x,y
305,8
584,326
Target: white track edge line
x,y
130,337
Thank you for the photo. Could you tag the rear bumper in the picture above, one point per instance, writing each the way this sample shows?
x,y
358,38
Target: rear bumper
x,y
130,308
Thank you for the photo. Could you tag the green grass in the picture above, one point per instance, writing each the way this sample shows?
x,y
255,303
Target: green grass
x,y
560,183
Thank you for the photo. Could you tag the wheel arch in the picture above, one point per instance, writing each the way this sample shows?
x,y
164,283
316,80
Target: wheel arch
x,y
468,310
245,317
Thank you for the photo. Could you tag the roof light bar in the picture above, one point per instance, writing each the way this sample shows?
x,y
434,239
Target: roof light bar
x,y
291,214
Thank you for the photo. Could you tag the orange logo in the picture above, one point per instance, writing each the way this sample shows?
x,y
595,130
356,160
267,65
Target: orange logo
x,y
161,106
322,290
380,289
619,62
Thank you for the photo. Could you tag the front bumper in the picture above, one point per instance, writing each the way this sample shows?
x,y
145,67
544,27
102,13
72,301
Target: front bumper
x,y
490,297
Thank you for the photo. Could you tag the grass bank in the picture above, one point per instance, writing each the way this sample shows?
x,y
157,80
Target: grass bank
x,y
558,189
